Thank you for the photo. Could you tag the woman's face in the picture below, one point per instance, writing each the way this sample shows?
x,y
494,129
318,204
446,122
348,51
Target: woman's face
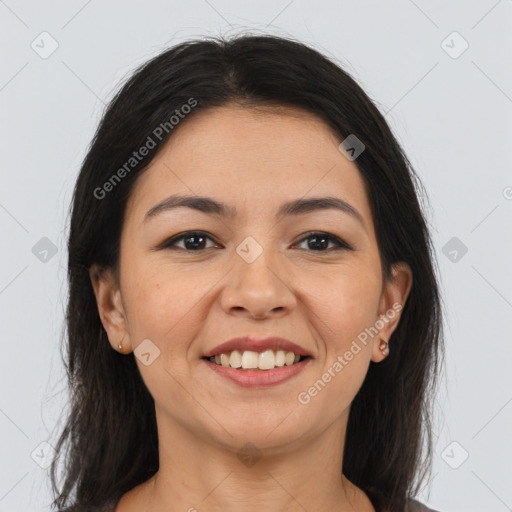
x,y
251,273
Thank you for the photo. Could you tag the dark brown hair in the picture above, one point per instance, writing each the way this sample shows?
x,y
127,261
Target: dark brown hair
x,y
109,443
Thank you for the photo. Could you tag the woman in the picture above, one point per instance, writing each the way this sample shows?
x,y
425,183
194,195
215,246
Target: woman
x,y
254,320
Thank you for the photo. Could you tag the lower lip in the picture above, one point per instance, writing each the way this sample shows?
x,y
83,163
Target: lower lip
x,y
258,378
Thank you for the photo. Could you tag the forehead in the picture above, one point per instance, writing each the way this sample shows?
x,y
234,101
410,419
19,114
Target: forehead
x,y
257,157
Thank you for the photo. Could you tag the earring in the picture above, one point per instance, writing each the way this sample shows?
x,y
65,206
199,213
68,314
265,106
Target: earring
x,y
119,346
384,347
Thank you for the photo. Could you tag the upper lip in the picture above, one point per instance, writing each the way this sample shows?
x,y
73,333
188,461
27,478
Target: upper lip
x,y
257,345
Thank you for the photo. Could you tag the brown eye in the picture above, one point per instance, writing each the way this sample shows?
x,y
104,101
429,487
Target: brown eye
x,y
318,241
192,241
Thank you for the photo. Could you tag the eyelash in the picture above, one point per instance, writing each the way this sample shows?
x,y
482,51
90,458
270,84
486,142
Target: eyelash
x,y
170,243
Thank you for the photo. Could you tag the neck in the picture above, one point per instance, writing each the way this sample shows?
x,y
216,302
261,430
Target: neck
x,y
197,474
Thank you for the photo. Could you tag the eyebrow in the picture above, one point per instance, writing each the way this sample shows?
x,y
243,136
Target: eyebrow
x,y
213,207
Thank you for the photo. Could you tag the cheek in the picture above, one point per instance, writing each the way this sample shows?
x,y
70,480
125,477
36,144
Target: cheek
x,y
345,306
345,348
161,306
349,316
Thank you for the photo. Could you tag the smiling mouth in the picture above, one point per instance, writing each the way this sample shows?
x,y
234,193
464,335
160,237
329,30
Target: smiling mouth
x,y
254,361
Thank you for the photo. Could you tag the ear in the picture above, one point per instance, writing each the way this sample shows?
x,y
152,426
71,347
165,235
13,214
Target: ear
x,y
392,302
110,307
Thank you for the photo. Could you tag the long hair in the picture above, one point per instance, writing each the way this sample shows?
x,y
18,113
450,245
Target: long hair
x,y
109,442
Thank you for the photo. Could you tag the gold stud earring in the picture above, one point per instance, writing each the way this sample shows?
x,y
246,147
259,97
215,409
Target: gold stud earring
x,y
384,348
119,346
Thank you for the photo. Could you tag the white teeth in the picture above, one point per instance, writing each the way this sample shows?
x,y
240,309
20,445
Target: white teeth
x,y
266,360
235,359
280,358
249,359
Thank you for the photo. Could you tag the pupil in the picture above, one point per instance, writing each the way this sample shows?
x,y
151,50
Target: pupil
x,y
196,245
324,242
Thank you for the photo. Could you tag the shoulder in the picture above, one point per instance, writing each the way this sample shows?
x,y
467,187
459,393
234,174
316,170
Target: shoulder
x,y
416,506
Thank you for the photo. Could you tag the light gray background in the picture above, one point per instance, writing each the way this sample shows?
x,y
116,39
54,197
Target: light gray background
x,y
452,115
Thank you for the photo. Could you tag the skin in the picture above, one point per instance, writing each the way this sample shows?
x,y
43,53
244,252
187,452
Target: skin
x,y
187,302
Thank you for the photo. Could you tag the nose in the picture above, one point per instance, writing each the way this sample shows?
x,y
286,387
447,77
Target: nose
x,y
258,290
